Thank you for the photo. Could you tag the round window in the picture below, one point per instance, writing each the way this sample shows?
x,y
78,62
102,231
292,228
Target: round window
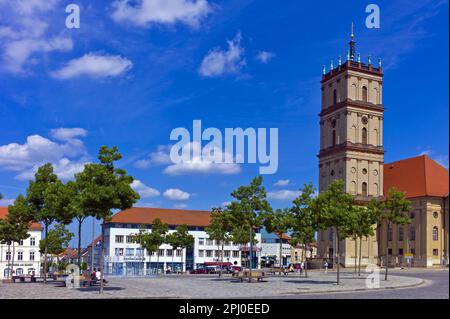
x,y
332,173
364,120
435,214
353,169
364,171
375,172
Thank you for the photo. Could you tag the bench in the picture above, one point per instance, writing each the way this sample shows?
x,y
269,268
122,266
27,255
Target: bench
x,y
23,278
255,274
285,271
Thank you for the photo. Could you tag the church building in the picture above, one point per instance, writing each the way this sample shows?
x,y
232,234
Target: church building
x,y
351,149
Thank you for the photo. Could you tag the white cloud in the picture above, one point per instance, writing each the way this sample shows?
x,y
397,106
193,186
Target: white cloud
x,y
264,56
176,194
282,182
94,65
160,157
144,190
6,201
68,156
146,12
66,134
25,34
219,62
198,165
283,194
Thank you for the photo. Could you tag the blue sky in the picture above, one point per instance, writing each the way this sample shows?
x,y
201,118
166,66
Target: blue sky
x,y
135,70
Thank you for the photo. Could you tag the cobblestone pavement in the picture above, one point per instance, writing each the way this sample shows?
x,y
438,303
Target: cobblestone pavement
x,y
207,286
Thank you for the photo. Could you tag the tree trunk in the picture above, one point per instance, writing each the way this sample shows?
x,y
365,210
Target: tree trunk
x,y
79,244
174,251
281,250
182,263
338,257
250,254
220,264
306,263
387,251
12,259
157,261
45,253
102,259
150,261
221,258
360,254
356,252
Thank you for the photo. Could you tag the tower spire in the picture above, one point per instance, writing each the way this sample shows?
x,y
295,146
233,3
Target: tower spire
x,y
352,43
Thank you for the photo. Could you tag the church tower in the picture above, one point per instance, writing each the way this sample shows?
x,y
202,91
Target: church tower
x,y
351,141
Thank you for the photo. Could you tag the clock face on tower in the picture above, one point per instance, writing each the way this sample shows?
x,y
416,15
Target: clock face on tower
x,y
365,120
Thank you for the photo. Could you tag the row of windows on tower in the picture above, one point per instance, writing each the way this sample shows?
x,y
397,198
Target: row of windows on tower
x,y
363,134
364,95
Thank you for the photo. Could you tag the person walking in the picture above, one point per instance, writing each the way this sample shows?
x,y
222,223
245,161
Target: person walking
x,y
325,265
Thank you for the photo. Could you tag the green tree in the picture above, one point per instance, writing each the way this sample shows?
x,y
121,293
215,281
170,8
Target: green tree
x,y
58,239
184,240
335,208
304,220
159,233
147,241
247,210
75,190
15,226
105,188
220,229
47,198
278,222
393,211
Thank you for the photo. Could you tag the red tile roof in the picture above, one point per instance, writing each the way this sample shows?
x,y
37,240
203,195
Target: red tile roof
x,y
4,212
140,215
417,176
96,240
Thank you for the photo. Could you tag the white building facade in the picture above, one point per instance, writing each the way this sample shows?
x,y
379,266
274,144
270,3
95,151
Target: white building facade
x,y
123,257
24,258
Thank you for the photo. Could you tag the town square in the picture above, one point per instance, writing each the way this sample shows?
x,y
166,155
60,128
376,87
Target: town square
x,y
209,149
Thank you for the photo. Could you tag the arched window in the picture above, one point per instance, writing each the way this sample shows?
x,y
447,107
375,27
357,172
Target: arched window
x,y
435,233
364,94
8,255
31,255
335,99
364,189
364,135
20,255
333,141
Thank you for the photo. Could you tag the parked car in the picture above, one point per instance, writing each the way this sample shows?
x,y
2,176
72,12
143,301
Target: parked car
x,y
199,271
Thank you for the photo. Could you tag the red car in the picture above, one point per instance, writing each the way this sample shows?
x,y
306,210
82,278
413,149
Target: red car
x,y
199,271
